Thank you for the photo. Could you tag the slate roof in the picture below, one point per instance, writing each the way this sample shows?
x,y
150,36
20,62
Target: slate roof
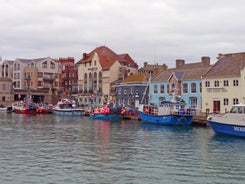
x,y
228,65
107,58
179,75
182,73
9,61
31,60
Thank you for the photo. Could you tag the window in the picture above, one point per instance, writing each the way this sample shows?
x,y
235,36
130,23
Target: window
x,y
193,102
185,88
94,62
207,84
162,89
168,88
172,87
193,88
226,83
40,75
200,87
235,101
216,83
235,82
125,91
155,89
226,101
52,66
40,83
3,87
45,65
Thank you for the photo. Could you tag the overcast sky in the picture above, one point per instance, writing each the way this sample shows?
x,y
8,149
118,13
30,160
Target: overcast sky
x,y
157,31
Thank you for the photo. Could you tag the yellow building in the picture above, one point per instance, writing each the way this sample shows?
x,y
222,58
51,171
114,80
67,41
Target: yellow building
x,y
224,84
98,70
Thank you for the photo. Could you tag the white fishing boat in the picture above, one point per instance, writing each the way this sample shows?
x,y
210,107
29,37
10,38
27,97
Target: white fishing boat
x,y
67,107
230,123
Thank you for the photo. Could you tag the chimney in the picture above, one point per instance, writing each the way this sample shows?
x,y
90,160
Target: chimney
x,y
84,55
145,64
179,63
206,61
220,56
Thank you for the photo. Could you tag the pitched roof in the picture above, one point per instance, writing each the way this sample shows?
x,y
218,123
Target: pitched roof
x,y
8,61
228,65
31,60
137,78
183,73
179,75
107,57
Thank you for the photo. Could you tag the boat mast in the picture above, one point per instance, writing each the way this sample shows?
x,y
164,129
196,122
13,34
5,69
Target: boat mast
x,y
28,79
147,87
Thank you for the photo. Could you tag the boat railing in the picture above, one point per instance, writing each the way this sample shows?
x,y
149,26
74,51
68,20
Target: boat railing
x,y
165,110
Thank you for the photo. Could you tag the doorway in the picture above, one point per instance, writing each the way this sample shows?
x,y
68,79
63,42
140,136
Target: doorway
x,y
216,106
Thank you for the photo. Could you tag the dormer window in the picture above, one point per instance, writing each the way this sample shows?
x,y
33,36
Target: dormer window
x,y
52,65
45,64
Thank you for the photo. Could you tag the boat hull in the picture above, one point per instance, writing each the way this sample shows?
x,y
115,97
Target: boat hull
x,y
69,112
227,129
105,116
170,119
25,111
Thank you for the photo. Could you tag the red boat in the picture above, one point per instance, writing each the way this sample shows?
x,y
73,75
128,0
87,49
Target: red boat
x,y
25,108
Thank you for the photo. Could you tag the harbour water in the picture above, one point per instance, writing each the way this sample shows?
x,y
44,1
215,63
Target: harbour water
x,y
55,149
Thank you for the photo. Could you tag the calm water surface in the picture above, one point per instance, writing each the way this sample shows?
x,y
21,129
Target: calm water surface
x,y
54,149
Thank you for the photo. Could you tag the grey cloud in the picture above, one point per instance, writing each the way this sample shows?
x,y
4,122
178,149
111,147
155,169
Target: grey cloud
x,y
154,31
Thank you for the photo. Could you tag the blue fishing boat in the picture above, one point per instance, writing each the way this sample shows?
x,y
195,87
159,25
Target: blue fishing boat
x,y
107,112
168,113
67,107
231,123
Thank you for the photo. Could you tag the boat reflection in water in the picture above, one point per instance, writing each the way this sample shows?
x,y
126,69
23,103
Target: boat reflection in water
x,y
155,127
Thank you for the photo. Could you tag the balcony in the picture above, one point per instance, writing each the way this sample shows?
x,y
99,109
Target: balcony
x,y
49,77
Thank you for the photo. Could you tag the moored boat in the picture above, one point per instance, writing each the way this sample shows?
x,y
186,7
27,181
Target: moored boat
x,y
24,108
67,107
231,123
107,112
168,113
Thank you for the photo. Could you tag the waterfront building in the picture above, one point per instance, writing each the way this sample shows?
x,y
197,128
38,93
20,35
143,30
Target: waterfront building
x,y
6,92
69,76
6,69
43,73
134,90
152,68
224,83
183,81
98,70
41,76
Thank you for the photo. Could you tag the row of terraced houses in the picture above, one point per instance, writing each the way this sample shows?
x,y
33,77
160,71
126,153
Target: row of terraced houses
x,y
102,76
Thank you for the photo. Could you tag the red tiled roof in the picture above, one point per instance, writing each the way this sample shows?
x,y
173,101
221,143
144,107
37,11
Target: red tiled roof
x,y
228,65
107,57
